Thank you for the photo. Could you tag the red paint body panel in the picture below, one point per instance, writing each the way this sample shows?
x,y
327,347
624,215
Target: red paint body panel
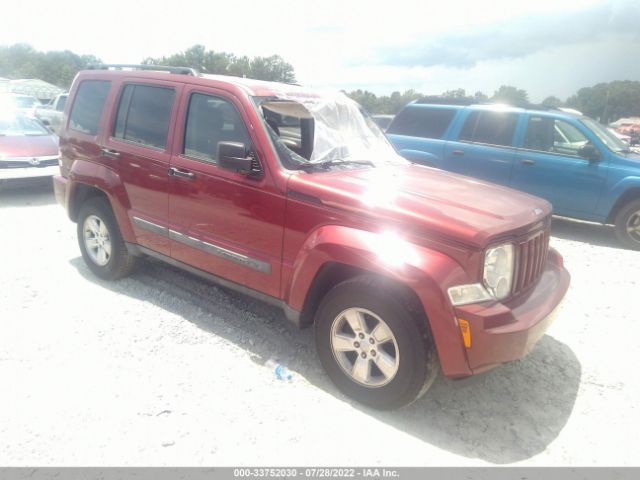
x,y
422,227
29,146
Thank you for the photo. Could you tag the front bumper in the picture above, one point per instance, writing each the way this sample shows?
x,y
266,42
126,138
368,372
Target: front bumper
x,y
502,332
28,172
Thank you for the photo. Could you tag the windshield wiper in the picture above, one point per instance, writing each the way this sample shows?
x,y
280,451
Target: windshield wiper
x,y
328,163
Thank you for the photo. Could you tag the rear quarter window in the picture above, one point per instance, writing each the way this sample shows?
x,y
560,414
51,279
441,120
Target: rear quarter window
x,y
422,122
144,115
88,106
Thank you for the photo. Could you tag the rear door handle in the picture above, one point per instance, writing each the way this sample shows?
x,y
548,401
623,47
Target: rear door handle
x,y
105,152
174,172
526,161
457,152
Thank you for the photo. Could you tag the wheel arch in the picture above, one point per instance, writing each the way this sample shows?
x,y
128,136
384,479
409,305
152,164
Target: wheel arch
x,y
629,195
333,254
88,180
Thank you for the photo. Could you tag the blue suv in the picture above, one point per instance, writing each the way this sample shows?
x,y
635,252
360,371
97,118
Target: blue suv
x,y
569,159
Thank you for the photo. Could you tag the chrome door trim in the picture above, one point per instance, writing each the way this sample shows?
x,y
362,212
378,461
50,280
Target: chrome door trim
x,y
221,252
151,227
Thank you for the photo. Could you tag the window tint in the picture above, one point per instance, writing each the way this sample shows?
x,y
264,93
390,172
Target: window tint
x,y
87,107
211,120
491,128
144,114
422,122
555,136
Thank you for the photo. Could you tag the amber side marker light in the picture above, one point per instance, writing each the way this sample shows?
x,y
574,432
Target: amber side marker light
x,y
465,330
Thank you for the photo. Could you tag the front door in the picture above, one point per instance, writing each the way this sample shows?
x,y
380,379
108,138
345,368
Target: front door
x,y
548,165
223,222
483,148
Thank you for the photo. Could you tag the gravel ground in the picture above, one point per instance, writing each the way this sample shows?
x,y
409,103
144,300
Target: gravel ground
x,y
164,369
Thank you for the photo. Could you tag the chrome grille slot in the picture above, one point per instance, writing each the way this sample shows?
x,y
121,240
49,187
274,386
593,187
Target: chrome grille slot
x,y
531,258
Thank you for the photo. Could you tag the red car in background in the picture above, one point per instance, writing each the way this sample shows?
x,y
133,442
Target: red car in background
x,y
27,148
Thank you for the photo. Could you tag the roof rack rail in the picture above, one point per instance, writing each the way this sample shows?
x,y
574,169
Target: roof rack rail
x,y
157,68
437,100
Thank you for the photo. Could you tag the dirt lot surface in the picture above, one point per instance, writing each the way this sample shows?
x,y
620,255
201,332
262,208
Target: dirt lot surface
x,y
164,369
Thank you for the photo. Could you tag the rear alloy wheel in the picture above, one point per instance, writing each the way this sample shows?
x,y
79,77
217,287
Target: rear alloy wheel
x,y
374,344
627,225
97,240
101,243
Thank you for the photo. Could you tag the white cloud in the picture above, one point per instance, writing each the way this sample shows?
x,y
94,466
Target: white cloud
x,y
322,40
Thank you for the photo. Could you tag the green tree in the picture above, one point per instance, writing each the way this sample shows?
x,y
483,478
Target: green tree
x,y
273,68
510,95
457,93
551,102
480,97
608,102
56,67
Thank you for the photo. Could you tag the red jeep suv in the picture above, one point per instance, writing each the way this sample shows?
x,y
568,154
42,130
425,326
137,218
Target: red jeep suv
x,y
296,197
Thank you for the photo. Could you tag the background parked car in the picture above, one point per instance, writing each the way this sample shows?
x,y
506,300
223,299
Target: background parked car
x,y
51,114
24,103
27,148
571,160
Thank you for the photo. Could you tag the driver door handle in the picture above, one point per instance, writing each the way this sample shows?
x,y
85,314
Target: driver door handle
x,y
105,152
174,172
457,152
526,161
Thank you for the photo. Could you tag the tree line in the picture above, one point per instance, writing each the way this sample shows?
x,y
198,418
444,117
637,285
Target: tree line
x,y
605,101
60,67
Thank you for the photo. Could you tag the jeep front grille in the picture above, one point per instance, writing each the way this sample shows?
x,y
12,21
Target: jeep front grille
x,y
530,260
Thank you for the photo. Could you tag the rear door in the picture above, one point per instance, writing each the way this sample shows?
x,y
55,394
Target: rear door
x,y
139,142
548,165
483,148
223,222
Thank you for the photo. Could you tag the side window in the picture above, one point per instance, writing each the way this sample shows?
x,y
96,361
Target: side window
x,y
556,136
567,139
88,105
491,128
422,122
144,114
211,120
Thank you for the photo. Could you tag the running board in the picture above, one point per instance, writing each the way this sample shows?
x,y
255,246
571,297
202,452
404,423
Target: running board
x,y
292,315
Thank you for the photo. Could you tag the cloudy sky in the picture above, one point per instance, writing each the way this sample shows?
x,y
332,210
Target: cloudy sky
x,y
547,47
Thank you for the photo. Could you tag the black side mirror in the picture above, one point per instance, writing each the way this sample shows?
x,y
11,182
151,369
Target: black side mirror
x,y
590,152
233,156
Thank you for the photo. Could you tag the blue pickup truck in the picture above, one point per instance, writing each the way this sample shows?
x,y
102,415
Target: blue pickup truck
x,y
569,159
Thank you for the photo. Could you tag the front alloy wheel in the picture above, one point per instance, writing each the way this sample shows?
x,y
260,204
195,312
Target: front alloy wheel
x,y
374,343
365,348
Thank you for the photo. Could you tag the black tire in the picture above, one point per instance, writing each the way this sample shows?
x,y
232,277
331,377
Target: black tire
x,y
418,363
629,217
120,262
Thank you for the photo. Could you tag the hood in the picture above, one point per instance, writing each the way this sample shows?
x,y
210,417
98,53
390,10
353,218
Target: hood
x,y
28,146
426,201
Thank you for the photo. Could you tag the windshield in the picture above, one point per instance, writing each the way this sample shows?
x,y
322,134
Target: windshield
x,y
610,140
16,125
311,129
25,102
